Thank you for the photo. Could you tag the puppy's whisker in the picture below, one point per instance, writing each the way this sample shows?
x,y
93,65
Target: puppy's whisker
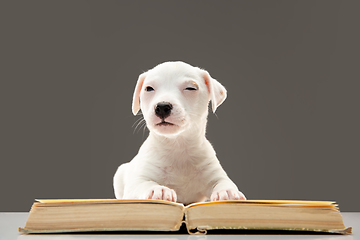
x,y
140,122
141,125
144,129
137,120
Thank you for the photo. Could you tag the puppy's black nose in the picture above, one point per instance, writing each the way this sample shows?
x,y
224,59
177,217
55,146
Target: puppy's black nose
x,y
163,109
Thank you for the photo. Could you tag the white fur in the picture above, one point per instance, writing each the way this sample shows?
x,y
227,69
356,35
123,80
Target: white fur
x,y
176,162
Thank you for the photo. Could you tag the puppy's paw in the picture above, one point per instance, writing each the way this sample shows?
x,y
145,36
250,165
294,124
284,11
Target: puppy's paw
x,y
161,193
229,194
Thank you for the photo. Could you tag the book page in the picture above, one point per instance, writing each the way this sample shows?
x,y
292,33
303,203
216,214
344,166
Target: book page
x,y
265,215
103,201
285,202
79,215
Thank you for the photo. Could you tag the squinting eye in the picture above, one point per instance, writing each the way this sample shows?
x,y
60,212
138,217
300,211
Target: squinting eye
x,y
149,89
190,89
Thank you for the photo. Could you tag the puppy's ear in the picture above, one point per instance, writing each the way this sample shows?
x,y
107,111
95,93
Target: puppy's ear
x,y
136,96
217,92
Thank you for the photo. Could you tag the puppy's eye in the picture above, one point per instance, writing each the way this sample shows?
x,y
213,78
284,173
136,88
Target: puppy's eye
x,y
190,89
149,89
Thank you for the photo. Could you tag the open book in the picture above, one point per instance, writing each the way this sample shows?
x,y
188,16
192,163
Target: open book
x,y
50,216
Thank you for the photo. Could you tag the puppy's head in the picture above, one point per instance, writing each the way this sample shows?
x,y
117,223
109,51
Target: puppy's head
x,y
174,96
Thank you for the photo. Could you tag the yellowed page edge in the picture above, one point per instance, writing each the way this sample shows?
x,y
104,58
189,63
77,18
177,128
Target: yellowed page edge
x,y
285,202
101,201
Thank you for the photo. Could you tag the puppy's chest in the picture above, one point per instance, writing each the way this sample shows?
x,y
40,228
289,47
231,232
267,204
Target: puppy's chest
x,y
180,174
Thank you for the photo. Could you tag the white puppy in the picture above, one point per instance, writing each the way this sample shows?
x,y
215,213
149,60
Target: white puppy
x,y
176,162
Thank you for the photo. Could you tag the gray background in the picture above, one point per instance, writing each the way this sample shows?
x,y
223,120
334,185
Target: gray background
x,y
289,128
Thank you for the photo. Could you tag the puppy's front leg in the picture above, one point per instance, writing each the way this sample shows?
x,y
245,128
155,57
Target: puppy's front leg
x,y
149,190
225,189
221,187
161,193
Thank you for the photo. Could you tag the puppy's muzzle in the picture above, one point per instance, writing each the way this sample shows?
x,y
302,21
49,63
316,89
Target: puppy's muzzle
x,y
163,109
